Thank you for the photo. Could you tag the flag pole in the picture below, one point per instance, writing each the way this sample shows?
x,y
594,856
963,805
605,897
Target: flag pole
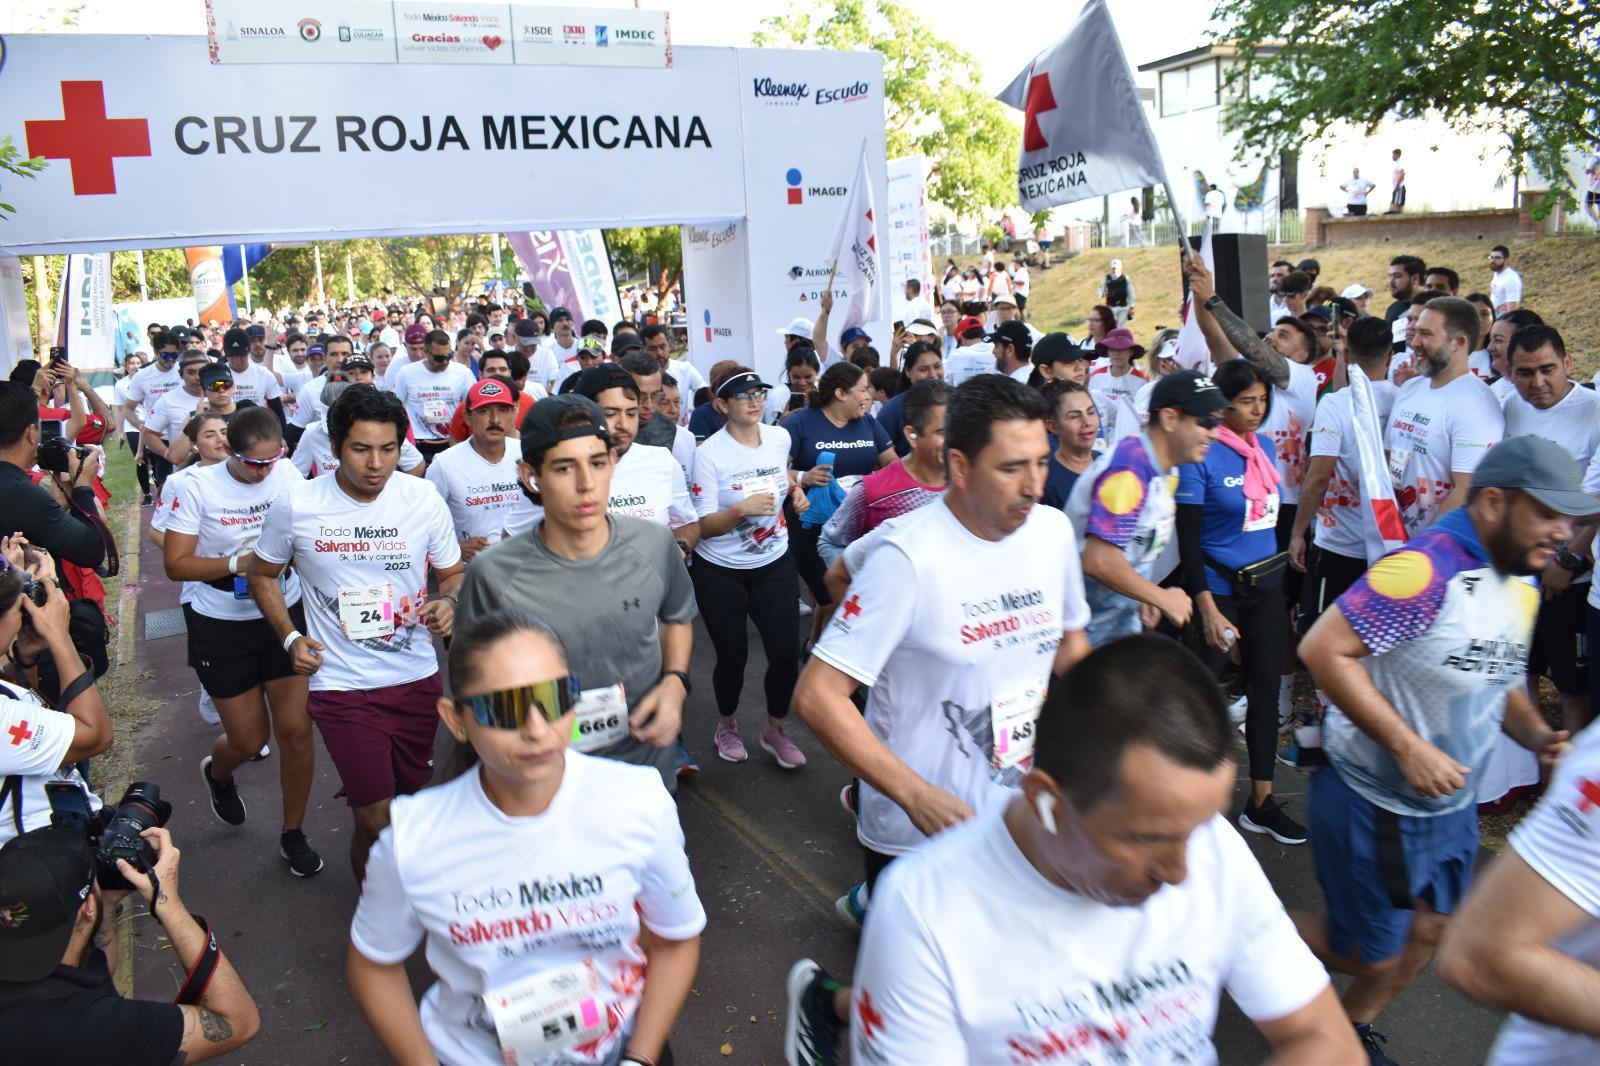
x,y
1177,216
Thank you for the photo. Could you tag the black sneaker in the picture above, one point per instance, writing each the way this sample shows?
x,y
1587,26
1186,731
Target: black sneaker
x,y
225,801
147,501
1270,819
811,1032
1370,1039
303,862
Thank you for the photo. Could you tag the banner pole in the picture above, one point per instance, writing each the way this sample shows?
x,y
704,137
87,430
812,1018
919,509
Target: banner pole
x,y
1177,216
144,291
244,272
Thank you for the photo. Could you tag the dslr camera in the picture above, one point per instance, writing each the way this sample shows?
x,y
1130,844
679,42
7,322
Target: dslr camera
x,y
113,833
54,452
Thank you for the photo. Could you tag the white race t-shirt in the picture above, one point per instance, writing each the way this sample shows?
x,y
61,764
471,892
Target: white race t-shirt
x,y
151,383
969,362
431,397
565,360
402,359
725,472
499,899
1480,363
1505,288
170,414
342,546
1294,406
1433,434
293,381
1573,423
1107,389
481,495
647,483
1560,840
690,381
33,742
225,516
313,456
165,498
119,396
944,645
255,383
1341,521
970,955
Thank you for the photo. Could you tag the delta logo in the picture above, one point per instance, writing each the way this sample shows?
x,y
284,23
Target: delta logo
x,y
798,191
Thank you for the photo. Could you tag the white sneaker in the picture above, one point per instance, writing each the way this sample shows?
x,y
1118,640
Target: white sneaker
x,y
805,608
1238,708
208,710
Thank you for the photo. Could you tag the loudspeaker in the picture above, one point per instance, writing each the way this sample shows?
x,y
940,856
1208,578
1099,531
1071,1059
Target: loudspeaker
x,y
1241,275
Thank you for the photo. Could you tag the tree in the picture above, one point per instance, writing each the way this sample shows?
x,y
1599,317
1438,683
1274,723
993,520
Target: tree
x,y
654,251
166,275
419,265
12,161
932,107
1525,71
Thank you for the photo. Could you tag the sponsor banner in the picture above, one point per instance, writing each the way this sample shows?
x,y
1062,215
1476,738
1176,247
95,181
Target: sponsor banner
x,y
85,325
715,268
452,33
213,299
16,342
316,31
416,152
418,31
905,214
571,269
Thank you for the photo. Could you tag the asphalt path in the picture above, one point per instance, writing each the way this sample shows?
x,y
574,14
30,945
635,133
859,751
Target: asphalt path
x,y
771,850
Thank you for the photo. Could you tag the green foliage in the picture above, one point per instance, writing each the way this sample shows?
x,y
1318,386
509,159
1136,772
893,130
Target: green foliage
x,y
1523,70
933,104
166,275
654,251
12,161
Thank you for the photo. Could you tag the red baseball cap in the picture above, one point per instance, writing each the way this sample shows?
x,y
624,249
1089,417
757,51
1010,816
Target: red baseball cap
x,y
969,324
487,392
416,333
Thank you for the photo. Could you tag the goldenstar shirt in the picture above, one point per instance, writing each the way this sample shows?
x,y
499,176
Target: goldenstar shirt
x,y
225,516
945,627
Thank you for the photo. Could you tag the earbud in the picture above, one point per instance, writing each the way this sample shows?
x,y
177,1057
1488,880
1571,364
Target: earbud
x,y
1045,806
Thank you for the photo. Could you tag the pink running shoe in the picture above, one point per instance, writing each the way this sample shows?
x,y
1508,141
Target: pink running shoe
x,y
730,745
775,742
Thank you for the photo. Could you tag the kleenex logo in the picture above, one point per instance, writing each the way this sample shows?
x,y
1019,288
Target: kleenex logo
x,y
795,91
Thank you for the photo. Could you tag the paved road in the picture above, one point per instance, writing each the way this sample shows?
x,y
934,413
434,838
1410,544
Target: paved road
x,y
770,851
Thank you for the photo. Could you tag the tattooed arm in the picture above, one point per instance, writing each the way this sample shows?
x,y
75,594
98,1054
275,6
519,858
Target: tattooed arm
x,y
1225,331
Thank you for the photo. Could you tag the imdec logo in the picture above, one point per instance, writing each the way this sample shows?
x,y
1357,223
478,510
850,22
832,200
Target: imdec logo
x,y
796,195
310,30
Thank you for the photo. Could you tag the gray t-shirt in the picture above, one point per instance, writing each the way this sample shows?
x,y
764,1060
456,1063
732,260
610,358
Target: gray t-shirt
x,y
605,609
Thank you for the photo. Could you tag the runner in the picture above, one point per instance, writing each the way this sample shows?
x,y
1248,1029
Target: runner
x,y
957,658
217,397
1075,423
527,335
145,390
131,365
921,362
801,369
167,416
500,365
1422,661
252,382
1122,508
655,429
972,356
744,568
478,477
1133,738
430,390
365,544
1118,379
613,587
563,346
657,343
214,522
315,456
308,406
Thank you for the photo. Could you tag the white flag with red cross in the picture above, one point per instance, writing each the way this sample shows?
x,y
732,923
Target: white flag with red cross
x,y
855,256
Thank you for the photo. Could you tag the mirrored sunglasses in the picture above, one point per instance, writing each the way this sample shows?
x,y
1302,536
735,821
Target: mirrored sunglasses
x,y
511,708
247,461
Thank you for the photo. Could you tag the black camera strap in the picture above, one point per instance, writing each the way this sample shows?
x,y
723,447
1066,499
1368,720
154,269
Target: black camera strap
x,y
205,967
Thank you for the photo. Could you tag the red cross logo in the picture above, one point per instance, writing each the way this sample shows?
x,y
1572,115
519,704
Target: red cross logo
x,y
1040,100
852,607
19,733
1590,790
695,490
870,1018
85,136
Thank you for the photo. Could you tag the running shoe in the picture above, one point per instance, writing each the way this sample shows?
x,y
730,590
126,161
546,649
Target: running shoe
x,y
730,745
775,742
208,710
1238,708
147,501
811,1032
226,803
1370,1039
686,765
1270,819
805,608
303,862
852,906
266,749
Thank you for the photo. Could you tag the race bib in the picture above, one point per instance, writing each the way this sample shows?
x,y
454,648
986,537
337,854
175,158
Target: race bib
x,y
365,613
436,411
775,484
1011,716
602,718
1268,520
548,1012
1399,458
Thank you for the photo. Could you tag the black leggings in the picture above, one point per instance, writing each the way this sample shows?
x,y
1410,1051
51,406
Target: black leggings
x,y
142,467
808,560
1263,632
765,595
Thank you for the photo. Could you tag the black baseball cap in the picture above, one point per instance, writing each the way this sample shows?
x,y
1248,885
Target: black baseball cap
x,y
235,342
525,329
358,362
598,379
1013,333
1056,348
559,313
1188,391
745,381
623,343
215,374
45,876
191,357
539,432
255,331
1541,468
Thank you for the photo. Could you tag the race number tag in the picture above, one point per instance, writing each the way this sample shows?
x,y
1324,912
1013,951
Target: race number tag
x,y
436,411
602,718
368,612
1398,459
548,1012
1011,716
1268,519
776,484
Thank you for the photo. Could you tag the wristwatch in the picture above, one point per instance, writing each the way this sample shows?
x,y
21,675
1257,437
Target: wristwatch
x,y
1211,304
681,675
1570,561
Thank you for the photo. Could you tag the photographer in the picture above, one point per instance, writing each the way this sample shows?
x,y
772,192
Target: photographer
x,y
44,745
72,534
57,1000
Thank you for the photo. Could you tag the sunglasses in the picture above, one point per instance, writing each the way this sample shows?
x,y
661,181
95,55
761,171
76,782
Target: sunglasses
x,y
753,396
1207,421
511,708
247,461
220,386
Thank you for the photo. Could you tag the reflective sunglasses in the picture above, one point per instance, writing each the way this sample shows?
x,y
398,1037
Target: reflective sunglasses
x,y
220,386
511,708
247,461
1207,421
753,396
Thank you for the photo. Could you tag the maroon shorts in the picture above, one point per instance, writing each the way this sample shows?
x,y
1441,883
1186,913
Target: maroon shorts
x,y
380,740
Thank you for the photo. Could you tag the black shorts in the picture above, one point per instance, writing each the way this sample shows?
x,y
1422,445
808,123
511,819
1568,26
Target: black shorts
x,y
1022,301
1398,197
430,449
1560,642
232,657
1328,575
